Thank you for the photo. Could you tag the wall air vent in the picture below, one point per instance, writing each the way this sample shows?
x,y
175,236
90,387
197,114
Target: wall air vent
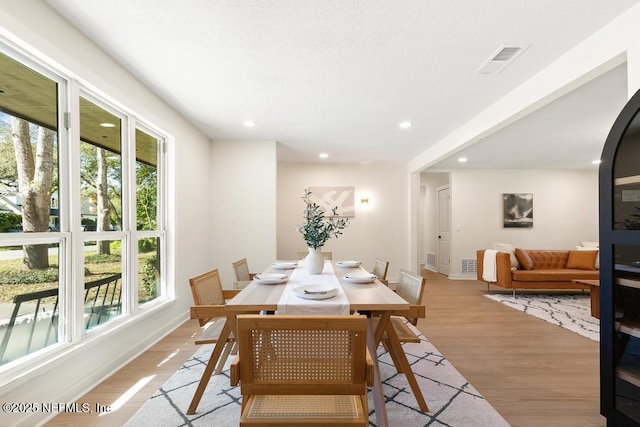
x,y
431,260
468,266
500,59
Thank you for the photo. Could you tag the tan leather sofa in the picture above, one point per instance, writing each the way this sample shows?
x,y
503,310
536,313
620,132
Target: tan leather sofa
x,y
542,269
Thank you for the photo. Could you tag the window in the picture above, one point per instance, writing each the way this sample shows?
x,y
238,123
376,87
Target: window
x,y
99,215
100,170
148,156
29,210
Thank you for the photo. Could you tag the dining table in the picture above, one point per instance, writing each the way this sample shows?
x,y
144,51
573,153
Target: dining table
x,y
352,294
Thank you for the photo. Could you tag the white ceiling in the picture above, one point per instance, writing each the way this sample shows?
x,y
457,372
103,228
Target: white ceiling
x,y
337,76
568,133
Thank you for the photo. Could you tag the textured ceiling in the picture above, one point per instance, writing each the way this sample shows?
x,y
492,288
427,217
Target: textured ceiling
x,y
336,76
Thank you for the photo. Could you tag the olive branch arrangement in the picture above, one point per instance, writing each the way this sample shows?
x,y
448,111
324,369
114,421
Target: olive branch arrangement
x,y
318,228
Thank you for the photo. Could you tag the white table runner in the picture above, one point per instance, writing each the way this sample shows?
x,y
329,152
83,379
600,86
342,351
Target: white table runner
x,y
291,304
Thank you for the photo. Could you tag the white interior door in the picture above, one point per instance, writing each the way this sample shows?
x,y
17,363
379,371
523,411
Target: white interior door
x,y
444,225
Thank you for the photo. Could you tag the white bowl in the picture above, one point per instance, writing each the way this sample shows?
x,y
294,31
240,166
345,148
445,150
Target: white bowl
x,y
348,264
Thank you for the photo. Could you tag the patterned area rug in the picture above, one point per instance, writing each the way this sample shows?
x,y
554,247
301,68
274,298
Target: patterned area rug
x,y
453,402
572,312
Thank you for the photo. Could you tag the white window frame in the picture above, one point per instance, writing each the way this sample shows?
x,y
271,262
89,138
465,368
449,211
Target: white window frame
x,y
70,238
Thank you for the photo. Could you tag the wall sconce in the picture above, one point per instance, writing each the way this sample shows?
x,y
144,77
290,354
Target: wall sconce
x,y
364,200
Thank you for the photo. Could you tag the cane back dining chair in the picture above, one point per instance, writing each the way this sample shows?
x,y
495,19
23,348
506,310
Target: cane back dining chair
x,y
209,301
380,268
241,271
303,370
411,288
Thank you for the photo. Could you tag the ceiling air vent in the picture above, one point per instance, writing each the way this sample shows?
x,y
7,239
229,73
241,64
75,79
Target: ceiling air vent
x,y
500,59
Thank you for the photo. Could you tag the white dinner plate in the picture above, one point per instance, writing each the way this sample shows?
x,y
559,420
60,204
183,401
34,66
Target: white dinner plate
x,y
315,291
284,265
360,277
349,264
270,278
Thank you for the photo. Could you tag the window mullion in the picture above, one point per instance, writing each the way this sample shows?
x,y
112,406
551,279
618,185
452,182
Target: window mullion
x,y
70,220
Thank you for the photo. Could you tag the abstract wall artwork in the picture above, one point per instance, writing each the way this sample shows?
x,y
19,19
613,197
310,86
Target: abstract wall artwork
x,y
329,197
517,210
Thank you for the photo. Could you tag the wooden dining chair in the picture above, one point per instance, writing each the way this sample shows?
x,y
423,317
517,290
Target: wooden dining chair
x,y
411,288
209,308
380,268
241,271
303,370
328,256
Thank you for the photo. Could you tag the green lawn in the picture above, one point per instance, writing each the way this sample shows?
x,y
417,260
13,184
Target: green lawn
x,y
15,279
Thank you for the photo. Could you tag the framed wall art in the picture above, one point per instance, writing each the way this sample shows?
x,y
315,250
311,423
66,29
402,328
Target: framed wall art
x,y
517,210
329,197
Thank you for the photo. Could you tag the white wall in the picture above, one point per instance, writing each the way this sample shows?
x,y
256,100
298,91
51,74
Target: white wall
x,y
565,210
378,229
68,375
242,216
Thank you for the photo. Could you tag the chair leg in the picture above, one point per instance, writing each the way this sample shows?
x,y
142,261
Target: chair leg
x,y
394,356
394,342
202,385
223,358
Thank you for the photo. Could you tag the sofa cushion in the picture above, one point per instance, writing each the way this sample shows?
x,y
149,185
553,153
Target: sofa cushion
x,y
590,244
591,248
553,275
548,258
510,249
582,260
524,258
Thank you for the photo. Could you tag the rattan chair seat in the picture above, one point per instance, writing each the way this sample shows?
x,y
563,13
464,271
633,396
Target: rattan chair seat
x,y
301,406
405,334
211,331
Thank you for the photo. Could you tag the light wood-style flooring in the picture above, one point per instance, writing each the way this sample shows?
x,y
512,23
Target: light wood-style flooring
x,y
534,373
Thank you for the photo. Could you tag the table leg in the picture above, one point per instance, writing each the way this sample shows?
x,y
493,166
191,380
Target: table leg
x,y
595,301
378,395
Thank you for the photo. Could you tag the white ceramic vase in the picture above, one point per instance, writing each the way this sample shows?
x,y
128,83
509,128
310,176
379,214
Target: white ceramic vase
x,y
314,261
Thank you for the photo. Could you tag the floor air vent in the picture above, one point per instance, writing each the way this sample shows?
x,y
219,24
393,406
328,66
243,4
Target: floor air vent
x,y
468,266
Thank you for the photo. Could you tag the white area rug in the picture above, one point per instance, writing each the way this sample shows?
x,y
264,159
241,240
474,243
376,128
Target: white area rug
x,y
572,312
453,402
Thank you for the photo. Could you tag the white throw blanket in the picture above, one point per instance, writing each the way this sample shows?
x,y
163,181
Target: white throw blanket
x,y
291,304
489,273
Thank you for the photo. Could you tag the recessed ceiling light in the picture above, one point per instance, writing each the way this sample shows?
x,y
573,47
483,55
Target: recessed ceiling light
x,y
107,125
404,125
323,155
249,124
462,159
596,162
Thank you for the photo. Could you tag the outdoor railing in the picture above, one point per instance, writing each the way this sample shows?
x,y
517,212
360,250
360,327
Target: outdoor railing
x,y
102,301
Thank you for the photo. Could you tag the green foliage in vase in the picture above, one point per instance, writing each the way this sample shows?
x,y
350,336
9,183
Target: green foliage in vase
x,y
318,228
